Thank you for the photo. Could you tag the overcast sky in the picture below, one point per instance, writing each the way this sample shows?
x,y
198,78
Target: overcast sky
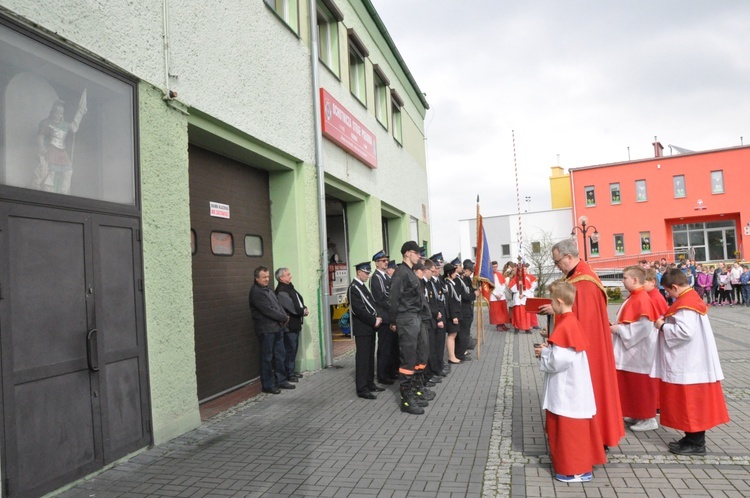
x,y
584,80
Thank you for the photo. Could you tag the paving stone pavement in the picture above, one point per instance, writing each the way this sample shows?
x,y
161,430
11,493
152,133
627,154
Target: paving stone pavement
x,y
482,436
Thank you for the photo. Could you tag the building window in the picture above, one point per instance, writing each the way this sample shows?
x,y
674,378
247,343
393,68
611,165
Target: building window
x,y
614,193
619,244
287,10
536,247
381,95
678,181
396,105
329,17
640,191
590,196
594,246
222,244
645,241
717,182
253,245
505,249
357,79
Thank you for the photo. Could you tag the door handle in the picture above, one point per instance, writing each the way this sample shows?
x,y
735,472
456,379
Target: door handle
x,y
91,351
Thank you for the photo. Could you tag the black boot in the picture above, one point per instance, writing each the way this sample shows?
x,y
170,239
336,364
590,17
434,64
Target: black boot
x,y
421,391
409,401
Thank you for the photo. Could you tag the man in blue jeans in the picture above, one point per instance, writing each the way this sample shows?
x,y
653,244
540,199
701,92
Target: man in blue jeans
x,y
270,320
294,305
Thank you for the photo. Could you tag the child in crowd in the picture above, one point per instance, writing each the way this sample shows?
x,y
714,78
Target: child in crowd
x,y
745,283
634,341
687,362
574,439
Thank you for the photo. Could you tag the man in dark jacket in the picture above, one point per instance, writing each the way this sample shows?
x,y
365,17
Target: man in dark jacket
x,y
269,319
365,321
294,305
407,301
387,355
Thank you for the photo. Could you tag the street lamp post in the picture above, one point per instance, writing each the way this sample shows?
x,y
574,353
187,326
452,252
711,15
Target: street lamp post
x,y
584,228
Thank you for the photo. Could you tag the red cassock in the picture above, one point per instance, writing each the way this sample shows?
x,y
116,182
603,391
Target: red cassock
x,y
533,319
519,316
591,309
499,309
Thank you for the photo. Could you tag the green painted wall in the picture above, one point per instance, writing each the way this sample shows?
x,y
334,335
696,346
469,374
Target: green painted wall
x,y
167,266
296,243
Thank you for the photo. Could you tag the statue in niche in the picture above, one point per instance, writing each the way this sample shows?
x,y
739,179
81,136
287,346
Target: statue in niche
x,y
55,169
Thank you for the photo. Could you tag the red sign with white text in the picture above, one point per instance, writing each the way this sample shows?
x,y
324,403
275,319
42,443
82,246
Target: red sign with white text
x,y
343,129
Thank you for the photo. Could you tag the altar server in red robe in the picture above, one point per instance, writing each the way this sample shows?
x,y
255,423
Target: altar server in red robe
x,y
591,310
574,439
687,362
518,285
634,341
498,305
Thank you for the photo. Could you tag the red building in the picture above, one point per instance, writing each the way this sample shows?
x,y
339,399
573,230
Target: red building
x,y
692,205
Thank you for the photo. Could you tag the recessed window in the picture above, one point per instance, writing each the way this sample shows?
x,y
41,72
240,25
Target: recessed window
x,y
536,247
66,127
619,244
253,245
381,95
329,17
193,242
594,246
396,105
590,196
505,249
287,10
222,244
717,182
645,241
357,55
678,182
614,193
640,191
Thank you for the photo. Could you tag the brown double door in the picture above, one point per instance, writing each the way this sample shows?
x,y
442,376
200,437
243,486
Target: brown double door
x,y
74,372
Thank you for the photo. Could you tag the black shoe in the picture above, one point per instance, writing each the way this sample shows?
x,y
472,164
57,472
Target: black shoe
x,y
429,383
367,395
273,390
293,379
287,385
454,362
676,444
409,401
685,448
376,389
298,375
465,358
436,379
385,382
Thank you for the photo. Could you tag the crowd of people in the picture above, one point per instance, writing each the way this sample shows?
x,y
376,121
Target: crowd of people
x,y
654,358
720,284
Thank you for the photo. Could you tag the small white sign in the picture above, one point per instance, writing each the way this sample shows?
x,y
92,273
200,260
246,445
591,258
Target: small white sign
x,y
219,210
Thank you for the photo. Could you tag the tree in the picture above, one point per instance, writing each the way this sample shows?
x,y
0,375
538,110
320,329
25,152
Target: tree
x,y
538,253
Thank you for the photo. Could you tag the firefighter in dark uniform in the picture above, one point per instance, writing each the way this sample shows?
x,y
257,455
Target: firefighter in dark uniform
x,y
434,327
387,355
406,304
468,296
365,321
438,364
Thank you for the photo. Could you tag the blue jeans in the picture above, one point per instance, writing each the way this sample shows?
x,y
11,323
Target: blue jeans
x,y
291,342
746,294
272,370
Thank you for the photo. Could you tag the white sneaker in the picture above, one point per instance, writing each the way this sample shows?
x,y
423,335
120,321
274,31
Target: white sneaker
x,y
630,421
648,424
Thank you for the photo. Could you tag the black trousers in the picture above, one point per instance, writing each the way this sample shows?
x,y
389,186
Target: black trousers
x,y
365,362
413,343
463,338
387,352
434,364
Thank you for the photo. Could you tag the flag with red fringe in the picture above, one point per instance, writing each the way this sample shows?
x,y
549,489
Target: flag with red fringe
x,y
483,274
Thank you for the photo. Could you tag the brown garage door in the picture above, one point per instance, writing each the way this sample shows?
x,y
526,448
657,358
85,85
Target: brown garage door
x,y
226,251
